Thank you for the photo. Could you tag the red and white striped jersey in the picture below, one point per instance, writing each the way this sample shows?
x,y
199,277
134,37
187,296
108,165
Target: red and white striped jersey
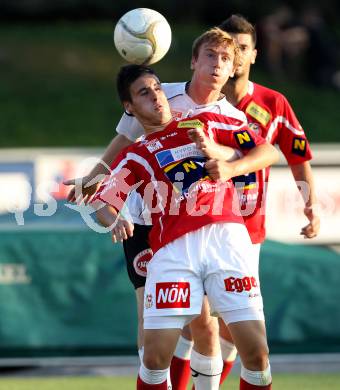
x,y
270,115
167,170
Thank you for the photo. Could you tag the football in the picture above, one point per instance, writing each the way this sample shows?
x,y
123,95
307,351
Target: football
x,y
142,36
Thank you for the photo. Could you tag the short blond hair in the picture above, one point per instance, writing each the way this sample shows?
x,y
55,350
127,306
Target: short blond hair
x,y
215,37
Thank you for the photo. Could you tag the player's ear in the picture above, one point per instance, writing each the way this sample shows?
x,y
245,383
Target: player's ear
x,y
192,63
253,57
127,107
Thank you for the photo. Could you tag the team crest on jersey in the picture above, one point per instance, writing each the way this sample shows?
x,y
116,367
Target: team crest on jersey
x,y
255,127
141,261
153,145
244,139
148,301
258,113
190,124
176,115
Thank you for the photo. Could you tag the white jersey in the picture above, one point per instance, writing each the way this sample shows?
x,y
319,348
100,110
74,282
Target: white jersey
x,y
182,106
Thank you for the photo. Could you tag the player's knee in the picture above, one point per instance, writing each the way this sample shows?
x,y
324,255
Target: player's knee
x,y
256,359
155,361
205,327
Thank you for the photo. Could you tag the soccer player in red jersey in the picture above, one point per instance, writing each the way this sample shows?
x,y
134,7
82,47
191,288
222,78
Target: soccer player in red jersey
x,y
270,115
198,236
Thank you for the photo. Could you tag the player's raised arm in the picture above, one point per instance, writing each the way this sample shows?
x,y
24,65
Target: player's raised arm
x,y
84,188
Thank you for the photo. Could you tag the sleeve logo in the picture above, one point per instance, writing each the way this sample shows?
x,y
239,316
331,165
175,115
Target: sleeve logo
x,y
244,139
299,146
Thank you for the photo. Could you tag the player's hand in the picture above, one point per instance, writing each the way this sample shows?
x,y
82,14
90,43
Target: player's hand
x,y
122,230
83,189
312,229
219,170
203,142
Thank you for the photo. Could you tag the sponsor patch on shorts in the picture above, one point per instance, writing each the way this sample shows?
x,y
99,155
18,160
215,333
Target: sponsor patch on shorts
x,y
239,285
172,295
141,261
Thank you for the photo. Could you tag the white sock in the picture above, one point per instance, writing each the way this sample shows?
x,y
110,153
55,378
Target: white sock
x,y
183,348
206,371
228,350
153,377
141,354
257,378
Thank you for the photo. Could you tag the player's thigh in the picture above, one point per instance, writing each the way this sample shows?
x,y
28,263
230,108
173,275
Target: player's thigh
x,y
140,302
174,285
224,331
159,346
232,273
138,255
251,341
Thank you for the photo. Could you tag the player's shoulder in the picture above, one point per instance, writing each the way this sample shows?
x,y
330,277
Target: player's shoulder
x,y
214,118
230,111
173,89
260,90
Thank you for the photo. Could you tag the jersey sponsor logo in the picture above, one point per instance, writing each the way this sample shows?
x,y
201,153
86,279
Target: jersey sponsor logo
x,y
153,145
245,182
240,284
258,113
190,124
166,157
141,261
171,295
185,173
244,139
148,301
164,137
299,146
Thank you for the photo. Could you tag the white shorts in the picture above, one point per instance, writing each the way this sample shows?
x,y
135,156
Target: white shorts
x,y
218,259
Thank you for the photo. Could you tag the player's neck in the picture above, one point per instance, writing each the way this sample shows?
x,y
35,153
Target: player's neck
x,y
200,94
151,128
236,89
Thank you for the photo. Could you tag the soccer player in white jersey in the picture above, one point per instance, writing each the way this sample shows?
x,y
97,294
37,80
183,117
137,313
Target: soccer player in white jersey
x,y
210,72
194,250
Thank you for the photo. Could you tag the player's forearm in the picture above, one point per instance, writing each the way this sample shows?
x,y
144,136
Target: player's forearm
x,y
224,153
258,158
106,215
117,144
305,182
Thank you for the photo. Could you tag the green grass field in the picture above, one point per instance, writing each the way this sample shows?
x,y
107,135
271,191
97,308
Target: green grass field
x,y
281,382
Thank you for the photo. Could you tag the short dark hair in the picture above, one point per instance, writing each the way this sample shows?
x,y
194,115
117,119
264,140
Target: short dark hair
x,y
126,76
238,24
